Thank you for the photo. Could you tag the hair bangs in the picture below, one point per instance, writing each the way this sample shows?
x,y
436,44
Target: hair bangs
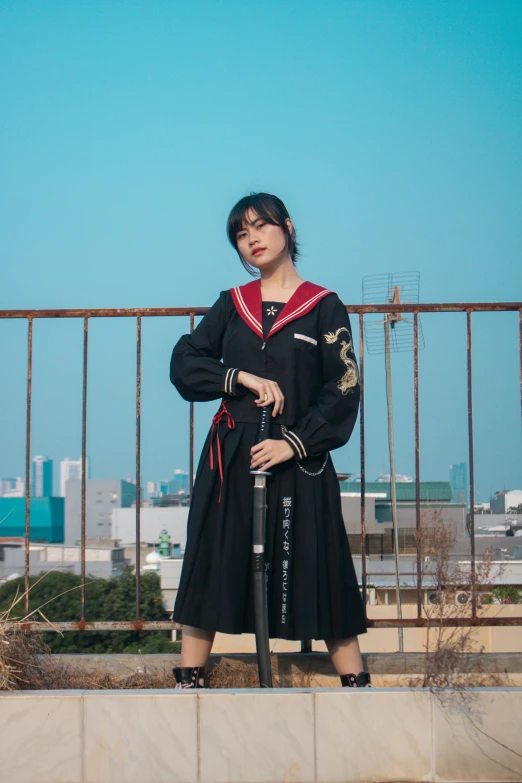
x,y
270,209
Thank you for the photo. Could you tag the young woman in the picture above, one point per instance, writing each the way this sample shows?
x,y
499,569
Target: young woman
x,y
284,341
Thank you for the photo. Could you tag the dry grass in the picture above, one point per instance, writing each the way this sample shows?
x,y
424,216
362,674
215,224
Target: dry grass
x,y
32,667
25,659
27,664
447,648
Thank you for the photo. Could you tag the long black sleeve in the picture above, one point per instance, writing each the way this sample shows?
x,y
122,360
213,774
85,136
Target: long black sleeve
x,y
329,423
196,369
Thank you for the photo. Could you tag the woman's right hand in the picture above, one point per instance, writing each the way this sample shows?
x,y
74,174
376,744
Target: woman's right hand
x,y
268,391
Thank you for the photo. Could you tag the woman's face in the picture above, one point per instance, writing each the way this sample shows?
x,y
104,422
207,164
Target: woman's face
x,y
262,244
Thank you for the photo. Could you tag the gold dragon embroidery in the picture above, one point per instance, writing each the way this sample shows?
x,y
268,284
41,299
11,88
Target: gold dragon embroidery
x,y
351,376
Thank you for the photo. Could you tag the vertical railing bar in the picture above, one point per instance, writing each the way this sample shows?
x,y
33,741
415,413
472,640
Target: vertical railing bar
x,y
363,464
138,464
520,348
417,456
28,457
471,467
191,436
84,459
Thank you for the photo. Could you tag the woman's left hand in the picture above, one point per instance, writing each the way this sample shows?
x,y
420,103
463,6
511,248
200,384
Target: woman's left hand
x,y
270,452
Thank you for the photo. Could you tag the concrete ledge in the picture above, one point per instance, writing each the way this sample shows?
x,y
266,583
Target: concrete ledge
x,y
325,735
387,669
376,663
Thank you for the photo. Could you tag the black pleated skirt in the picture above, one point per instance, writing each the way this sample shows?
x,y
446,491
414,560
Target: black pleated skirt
x,y
312,586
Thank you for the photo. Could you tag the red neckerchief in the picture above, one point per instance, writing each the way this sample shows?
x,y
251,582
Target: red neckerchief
x,y
215,428
247,299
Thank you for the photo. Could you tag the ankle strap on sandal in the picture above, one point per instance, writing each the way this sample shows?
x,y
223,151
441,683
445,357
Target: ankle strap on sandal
x,y
360,680
189,676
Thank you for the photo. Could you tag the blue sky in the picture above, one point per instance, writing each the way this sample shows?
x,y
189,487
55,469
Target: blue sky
x,y
393,133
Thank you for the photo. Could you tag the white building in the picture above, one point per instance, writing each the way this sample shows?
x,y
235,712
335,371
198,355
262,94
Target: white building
x,y
400,478
152,521
100,561
12,487
502,501
72,469
42,481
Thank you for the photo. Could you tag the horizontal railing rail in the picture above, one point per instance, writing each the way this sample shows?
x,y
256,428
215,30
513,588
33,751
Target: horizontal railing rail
x,y
139,624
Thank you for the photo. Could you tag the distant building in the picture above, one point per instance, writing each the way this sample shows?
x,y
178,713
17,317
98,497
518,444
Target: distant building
x,y
12,488
502,501
100,561
101,497
459,482
431,492
71,469
400,478
42,477
152,522
46,518
156,489
179,484
434,496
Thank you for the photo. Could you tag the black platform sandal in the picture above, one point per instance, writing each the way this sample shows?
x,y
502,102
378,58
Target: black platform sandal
x,y
190,677
362,680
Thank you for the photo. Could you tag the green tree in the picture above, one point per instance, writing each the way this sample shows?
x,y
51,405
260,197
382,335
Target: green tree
x,y
507,594
59,597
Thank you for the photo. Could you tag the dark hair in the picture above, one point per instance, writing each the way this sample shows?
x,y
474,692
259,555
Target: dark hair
x,y
272,210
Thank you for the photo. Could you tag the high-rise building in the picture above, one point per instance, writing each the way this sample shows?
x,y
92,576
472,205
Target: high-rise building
x,y
72,469
179,484
157,489
42,478
459,482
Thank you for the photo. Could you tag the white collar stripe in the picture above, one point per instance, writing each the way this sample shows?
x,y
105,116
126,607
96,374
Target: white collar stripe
x,y
301,308
246,311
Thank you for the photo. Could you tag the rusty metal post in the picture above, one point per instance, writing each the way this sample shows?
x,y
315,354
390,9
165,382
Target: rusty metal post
x,y
28,457
84,459
417,456
471,468
363,462
191,436
138,464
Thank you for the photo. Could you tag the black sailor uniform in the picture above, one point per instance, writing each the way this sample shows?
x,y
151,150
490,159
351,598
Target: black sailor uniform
x,y
306,346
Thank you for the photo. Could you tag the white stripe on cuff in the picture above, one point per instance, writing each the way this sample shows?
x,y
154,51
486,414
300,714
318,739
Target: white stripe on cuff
x,y
297,443
229,378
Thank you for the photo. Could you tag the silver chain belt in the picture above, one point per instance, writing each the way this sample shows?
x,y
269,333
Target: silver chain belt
x,y
308,472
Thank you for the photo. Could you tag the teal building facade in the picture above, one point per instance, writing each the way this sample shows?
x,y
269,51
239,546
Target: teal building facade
x,y
46,519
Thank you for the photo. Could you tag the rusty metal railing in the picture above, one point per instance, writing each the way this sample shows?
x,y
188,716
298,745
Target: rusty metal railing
x,y
139,624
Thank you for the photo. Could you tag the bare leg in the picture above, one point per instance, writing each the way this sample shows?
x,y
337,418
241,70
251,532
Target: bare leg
x,y
345,655
196,645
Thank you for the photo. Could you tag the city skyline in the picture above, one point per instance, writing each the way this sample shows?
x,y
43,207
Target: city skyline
x,y
15,487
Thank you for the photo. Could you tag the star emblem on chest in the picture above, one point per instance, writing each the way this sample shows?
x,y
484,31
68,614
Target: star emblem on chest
x,y
271,311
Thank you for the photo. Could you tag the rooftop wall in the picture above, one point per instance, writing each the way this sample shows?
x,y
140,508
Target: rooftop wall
x,y
252,736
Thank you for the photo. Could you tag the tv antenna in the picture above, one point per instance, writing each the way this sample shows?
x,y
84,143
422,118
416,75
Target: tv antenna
x,y
397,335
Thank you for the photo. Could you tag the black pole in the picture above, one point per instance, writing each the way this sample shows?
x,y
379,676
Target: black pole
x,y
258,557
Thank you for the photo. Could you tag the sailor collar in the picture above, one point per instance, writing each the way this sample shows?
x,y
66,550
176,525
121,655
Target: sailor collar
x,y
248,303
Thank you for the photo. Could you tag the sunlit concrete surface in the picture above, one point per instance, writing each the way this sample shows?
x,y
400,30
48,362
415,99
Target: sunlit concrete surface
x,y
251,736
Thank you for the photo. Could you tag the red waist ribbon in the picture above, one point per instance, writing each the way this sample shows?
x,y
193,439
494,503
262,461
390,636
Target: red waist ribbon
x,y
215,428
